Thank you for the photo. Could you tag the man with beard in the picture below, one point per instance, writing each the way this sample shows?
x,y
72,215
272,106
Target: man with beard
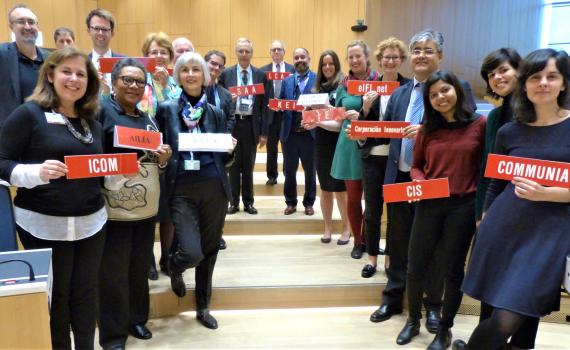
x,y
20,62
297,142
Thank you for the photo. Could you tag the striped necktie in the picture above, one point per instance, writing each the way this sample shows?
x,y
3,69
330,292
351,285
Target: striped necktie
x,y
415,119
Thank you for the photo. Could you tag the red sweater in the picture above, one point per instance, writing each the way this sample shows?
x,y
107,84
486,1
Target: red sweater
x,y
454,152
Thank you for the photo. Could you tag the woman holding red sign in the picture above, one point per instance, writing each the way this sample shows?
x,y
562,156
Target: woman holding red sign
x,y
449,145
51,211
524,220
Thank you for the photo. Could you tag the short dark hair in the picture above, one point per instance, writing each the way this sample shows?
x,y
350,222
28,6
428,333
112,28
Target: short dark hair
x,y
45,95
495,59
126,62
63,30
335,81
534,62
211,53
433,120
99,12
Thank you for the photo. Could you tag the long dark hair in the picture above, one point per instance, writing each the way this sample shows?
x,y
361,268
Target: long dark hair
x,y
335,81
534,62
495,59
433,120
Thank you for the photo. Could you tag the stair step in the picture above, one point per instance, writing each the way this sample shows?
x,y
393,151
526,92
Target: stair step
x,y
261,189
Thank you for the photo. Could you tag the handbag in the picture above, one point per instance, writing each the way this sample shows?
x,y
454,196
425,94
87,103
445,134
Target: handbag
x,y
567,275
138,198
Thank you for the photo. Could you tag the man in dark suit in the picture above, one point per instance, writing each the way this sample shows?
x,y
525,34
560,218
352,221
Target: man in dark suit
x,y
273,90
249,130
20,62
217,94
298,142
426,49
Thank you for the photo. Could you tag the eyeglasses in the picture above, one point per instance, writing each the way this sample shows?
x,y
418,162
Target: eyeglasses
x,y
390,58
427,52
159,52
128,81
23,21
101,29
216,64
276,49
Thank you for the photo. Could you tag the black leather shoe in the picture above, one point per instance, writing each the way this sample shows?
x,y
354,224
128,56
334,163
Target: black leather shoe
x,y
176,282
114,347
459,345
139,331
432,321
384,313
152,273
271,181
410,330
222,245
442,340
206,319
357,251
250,209
368,271
232,209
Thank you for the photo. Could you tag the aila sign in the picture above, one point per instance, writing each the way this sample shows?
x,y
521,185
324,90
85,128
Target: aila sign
x,y
546,173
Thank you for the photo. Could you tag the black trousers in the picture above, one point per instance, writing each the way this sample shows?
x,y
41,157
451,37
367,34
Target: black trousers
x,y
400,218
299,145
241,171
198,212
373,170
75,266
123,279
448,223
272,146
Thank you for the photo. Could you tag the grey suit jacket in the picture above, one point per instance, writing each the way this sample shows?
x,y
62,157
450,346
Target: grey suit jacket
x,y
10,95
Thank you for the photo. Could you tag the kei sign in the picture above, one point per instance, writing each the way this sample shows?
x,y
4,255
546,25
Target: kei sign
x,y
285,105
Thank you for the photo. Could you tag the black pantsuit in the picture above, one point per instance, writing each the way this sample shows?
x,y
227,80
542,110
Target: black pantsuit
x,y
123,279
450,224
299,145
241,172
75,267
373,170
273,146
400,217
198,212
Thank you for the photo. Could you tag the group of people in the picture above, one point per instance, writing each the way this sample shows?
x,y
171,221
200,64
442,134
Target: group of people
x,y
101,230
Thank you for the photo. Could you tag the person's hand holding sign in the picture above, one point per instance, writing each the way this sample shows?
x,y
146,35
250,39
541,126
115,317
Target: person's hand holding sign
x,y
52,169
411,131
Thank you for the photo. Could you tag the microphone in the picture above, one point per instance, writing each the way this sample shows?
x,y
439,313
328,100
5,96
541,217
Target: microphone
x,y
32,276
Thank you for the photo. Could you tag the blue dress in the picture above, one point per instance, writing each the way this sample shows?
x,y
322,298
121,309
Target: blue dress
x,y
518,259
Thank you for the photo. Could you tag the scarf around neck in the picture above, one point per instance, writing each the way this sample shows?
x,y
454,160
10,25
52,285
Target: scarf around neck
x,y
191,114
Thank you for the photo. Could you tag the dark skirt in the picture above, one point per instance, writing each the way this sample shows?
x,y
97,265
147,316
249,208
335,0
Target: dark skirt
x,y
325,145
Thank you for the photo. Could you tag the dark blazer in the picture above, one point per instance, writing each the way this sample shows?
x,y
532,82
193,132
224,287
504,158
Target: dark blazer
x,y
269,87
228,78
225,102
214,121
288,93
10,95
396,111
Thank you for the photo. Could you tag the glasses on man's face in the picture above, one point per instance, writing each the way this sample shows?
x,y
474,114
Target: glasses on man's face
x,y
129,81
100,29
216,65
391,58
276,49
427,52
23,21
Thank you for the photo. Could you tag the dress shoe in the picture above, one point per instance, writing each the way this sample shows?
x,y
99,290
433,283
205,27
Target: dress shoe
x,y
152,273
271,181
381,251
176,282
250,209
207,320
289,210
432,321
442,340
114,347
139,331
384,313
410,330
368,271
357,251
325,239
309,211
232,209
343,242
459,345
222,245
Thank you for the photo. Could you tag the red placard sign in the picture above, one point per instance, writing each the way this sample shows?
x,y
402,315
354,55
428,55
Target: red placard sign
x,y
106,63
137,138
425,189
96,165
360,87
390,130
285,105
317,115
277,75
245,90
545,172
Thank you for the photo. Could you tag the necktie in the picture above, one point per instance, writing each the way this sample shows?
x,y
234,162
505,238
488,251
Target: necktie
x,y
415,118
277,84
244,77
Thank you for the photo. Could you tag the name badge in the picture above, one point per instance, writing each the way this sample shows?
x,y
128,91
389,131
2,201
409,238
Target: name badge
x,y
245,104
191,164
54,118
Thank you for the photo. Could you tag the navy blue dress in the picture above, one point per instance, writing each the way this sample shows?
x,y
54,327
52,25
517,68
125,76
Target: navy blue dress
x,y
518,259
